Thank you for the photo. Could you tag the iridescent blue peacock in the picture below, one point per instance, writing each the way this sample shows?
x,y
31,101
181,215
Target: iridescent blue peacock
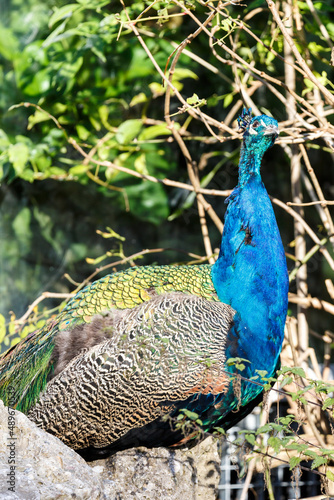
x,y
142,344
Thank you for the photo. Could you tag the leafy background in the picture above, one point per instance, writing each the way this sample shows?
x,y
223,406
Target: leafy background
x,y
75,75
85,68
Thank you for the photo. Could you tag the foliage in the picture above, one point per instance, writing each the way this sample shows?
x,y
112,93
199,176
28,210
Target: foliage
x,y
113,116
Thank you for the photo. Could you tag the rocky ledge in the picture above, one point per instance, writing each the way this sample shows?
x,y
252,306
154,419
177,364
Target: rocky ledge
x,y
36,465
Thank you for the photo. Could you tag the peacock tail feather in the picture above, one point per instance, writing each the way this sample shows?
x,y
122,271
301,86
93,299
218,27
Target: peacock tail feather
x,y
28,365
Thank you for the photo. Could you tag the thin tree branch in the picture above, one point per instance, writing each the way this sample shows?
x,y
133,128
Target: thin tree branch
x,y
328,96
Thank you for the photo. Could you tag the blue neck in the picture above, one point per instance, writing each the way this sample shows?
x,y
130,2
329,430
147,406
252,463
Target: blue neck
x,y
249,164
251,273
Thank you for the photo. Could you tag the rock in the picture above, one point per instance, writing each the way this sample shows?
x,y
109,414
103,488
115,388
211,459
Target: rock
x,y
36,465
43,467
161,473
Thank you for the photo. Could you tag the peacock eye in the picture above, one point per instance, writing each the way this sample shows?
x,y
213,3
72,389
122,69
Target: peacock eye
x,y
256,124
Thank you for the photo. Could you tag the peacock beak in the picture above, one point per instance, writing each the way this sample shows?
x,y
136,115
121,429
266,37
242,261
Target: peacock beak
x,y
271,130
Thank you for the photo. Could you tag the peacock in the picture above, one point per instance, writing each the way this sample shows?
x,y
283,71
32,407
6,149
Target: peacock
x,y
136,352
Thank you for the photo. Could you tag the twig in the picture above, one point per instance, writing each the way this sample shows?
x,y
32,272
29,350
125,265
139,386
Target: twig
x,y
45,295
323,203
243,26
307,228
328,96
254,70
330,287
329,223
310,421
323,29
207,207
195,113
306,258
192,173
151,178
312,302
252,464
296,188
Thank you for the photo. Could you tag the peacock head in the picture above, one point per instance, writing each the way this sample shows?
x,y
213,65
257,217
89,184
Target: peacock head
x,y
259,132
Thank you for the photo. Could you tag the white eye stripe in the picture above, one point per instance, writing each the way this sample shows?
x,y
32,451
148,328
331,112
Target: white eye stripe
x,y
252,131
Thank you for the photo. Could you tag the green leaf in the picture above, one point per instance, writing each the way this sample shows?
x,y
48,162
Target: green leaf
x,y
294,461
235,361
330,475
157,89
319,461
297,370
63,12
286,381
196,101
264,428
181,73
140,164
298,447
228,100
190,414
28,175
4,140
79,169
311,453
328,402
58,34
240,366
39,83
250,438
155,131
46,225
275,443
82,132
103,112
2,328
163,15
37,117
18,155
9,44
309,86
138,99
220,430
128,130
286,420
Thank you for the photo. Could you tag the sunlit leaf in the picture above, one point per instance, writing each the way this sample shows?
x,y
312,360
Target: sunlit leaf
x,y
319,461
2,328
37,117
63,12
18,155
330,475
79,169
140,164
128,130
155,131
138,99
294,461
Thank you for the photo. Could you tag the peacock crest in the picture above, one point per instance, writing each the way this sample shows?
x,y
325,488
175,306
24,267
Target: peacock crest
x,y
244,119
